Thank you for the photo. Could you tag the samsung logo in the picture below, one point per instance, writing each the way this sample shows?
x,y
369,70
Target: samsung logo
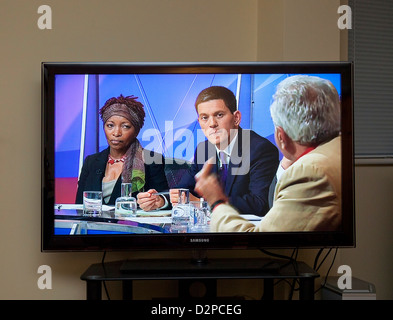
x,y
200,240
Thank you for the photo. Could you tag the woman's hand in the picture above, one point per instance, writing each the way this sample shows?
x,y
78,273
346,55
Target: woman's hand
x,y
149,201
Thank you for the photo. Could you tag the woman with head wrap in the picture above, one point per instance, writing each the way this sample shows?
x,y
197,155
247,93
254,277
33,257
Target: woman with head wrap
x,y
125,159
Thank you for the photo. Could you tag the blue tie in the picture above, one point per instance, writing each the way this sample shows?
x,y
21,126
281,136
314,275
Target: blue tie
x,y
223,172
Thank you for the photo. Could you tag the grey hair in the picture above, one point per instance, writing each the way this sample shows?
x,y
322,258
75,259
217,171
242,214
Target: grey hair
x,y
307,108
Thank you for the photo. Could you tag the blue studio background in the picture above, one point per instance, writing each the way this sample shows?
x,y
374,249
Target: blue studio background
x,y
171,125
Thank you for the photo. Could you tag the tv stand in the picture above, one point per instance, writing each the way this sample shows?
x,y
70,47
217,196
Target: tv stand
x,y
199,256
207,271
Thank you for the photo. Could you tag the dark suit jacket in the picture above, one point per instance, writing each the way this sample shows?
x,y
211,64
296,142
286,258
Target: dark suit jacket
x,y
253,165
93,172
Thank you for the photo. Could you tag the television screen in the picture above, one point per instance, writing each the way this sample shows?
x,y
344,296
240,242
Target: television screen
x,y
171,140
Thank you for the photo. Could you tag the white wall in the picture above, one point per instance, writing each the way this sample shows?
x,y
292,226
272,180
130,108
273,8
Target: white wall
x,y
154,30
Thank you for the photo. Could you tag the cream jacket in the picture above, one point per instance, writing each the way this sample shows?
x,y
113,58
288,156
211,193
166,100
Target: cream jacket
x,y
307,197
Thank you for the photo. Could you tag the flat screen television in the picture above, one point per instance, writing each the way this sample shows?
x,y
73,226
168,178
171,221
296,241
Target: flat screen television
x,y
73,93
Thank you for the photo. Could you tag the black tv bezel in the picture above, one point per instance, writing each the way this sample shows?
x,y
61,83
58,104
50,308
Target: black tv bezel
x,y
50,242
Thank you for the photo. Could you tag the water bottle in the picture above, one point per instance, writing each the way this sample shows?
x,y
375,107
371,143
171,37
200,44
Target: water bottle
x,y
181,212
125,205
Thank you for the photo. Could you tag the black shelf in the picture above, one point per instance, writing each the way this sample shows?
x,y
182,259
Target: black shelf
x,y
207,271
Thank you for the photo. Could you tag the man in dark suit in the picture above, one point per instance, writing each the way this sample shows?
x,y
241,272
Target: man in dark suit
x,y
245,162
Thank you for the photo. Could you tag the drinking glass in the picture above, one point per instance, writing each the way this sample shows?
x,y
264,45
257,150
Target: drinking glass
x,y
199,216
92,203
181,212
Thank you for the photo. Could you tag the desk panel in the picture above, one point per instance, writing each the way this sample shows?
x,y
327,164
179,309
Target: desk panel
x,y
69,220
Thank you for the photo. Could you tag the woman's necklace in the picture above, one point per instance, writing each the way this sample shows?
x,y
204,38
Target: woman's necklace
x,y
112,161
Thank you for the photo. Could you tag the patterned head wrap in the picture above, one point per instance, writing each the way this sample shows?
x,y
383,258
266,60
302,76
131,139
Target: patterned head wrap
x,y
131,109
127,107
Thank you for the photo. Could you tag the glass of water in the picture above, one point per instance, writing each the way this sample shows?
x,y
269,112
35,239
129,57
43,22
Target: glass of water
x,y
181,212
199,216
92,203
